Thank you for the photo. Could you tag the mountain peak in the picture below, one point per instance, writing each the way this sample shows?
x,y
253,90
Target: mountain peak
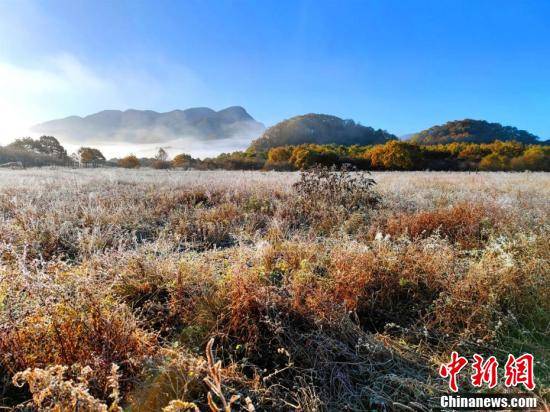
x,y
235,113
147,126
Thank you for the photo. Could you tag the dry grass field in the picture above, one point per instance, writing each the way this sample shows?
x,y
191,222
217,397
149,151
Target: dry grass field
x,y
320,292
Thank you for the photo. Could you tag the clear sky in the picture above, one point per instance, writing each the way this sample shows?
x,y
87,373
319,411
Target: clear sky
x,y
398,65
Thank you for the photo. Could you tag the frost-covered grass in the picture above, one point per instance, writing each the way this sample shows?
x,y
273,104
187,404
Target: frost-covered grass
x,y
328,294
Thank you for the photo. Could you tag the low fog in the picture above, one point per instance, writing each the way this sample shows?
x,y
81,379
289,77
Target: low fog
x,y
191,145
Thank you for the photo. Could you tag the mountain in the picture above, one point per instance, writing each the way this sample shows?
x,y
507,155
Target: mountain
x,y
320,129
472,131
147,126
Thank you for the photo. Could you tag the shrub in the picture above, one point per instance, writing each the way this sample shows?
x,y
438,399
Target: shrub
x,y
325,197
161,164
321,186
52,389
464,223
84,332
504,292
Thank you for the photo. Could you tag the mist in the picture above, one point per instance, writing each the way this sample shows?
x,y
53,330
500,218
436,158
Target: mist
x,y
190,145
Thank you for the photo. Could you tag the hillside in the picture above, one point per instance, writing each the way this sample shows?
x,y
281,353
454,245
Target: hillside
x,y
147,126
472,131
320,129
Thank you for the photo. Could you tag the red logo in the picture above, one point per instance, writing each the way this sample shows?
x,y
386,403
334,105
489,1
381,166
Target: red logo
x,y
516,371
519,370
451,370
484,371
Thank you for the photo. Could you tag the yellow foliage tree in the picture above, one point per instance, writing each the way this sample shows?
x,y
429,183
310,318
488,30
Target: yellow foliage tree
x,y
129,162
394,155
183,160
279,154
494,161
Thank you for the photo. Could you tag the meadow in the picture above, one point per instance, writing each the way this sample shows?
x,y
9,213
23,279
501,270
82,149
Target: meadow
x,y
155,290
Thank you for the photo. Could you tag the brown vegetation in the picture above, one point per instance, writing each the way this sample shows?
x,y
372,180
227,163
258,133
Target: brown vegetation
x,y
247,291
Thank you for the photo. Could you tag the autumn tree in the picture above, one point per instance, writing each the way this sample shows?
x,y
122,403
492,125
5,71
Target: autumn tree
x,y
473,152
278,158
129,162
279,154
183,160
304,157
494,161
507,149
90,156
50,146
534,158
395,155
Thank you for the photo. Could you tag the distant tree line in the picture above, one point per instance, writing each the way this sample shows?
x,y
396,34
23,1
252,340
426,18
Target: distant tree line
x,y
47,151
44,151
392,155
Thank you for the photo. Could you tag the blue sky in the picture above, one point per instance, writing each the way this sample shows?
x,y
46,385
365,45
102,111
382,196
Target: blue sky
x,y
397,65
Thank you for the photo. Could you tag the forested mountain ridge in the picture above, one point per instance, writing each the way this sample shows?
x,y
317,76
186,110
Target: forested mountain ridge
x,y
319,129
472,131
